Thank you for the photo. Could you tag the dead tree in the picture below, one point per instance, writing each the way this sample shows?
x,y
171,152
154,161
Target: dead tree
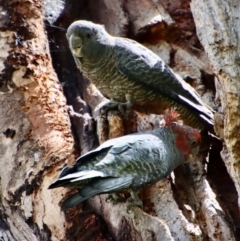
x,y
49,116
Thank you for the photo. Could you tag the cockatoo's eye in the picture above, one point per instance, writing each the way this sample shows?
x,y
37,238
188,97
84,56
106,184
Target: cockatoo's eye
x,y
174,124
194,143
88,35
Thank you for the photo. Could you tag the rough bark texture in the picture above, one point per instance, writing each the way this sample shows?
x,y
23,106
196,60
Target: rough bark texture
x,y
41,131
35,127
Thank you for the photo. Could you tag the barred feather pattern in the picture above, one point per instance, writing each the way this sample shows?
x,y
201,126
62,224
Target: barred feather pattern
x,y
126,68
138,158
116,86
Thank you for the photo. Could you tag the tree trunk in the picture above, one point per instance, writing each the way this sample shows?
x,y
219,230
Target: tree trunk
x,y
35,135
41,131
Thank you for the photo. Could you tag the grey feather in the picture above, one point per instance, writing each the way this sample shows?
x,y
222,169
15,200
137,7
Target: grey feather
x,y
129,162
98,186
121,67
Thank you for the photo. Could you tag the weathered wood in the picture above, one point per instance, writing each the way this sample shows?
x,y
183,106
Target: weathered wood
x,y
198,202
35,127
220,37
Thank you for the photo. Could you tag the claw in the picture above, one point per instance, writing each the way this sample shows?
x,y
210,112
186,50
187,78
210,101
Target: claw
x,y
135,201
124,106
111,105
115,198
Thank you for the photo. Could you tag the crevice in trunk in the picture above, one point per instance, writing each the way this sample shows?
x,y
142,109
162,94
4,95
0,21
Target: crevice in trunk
x,y
224,188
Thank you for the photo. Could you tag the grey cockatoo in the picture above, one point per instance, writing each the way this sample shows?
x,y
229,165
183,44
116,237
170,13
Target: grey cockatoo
x,y
129,162
127,72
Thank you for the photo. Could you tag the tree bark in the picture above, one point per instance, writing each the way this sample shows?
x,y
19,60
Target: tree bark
x,y
35,135
45,124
